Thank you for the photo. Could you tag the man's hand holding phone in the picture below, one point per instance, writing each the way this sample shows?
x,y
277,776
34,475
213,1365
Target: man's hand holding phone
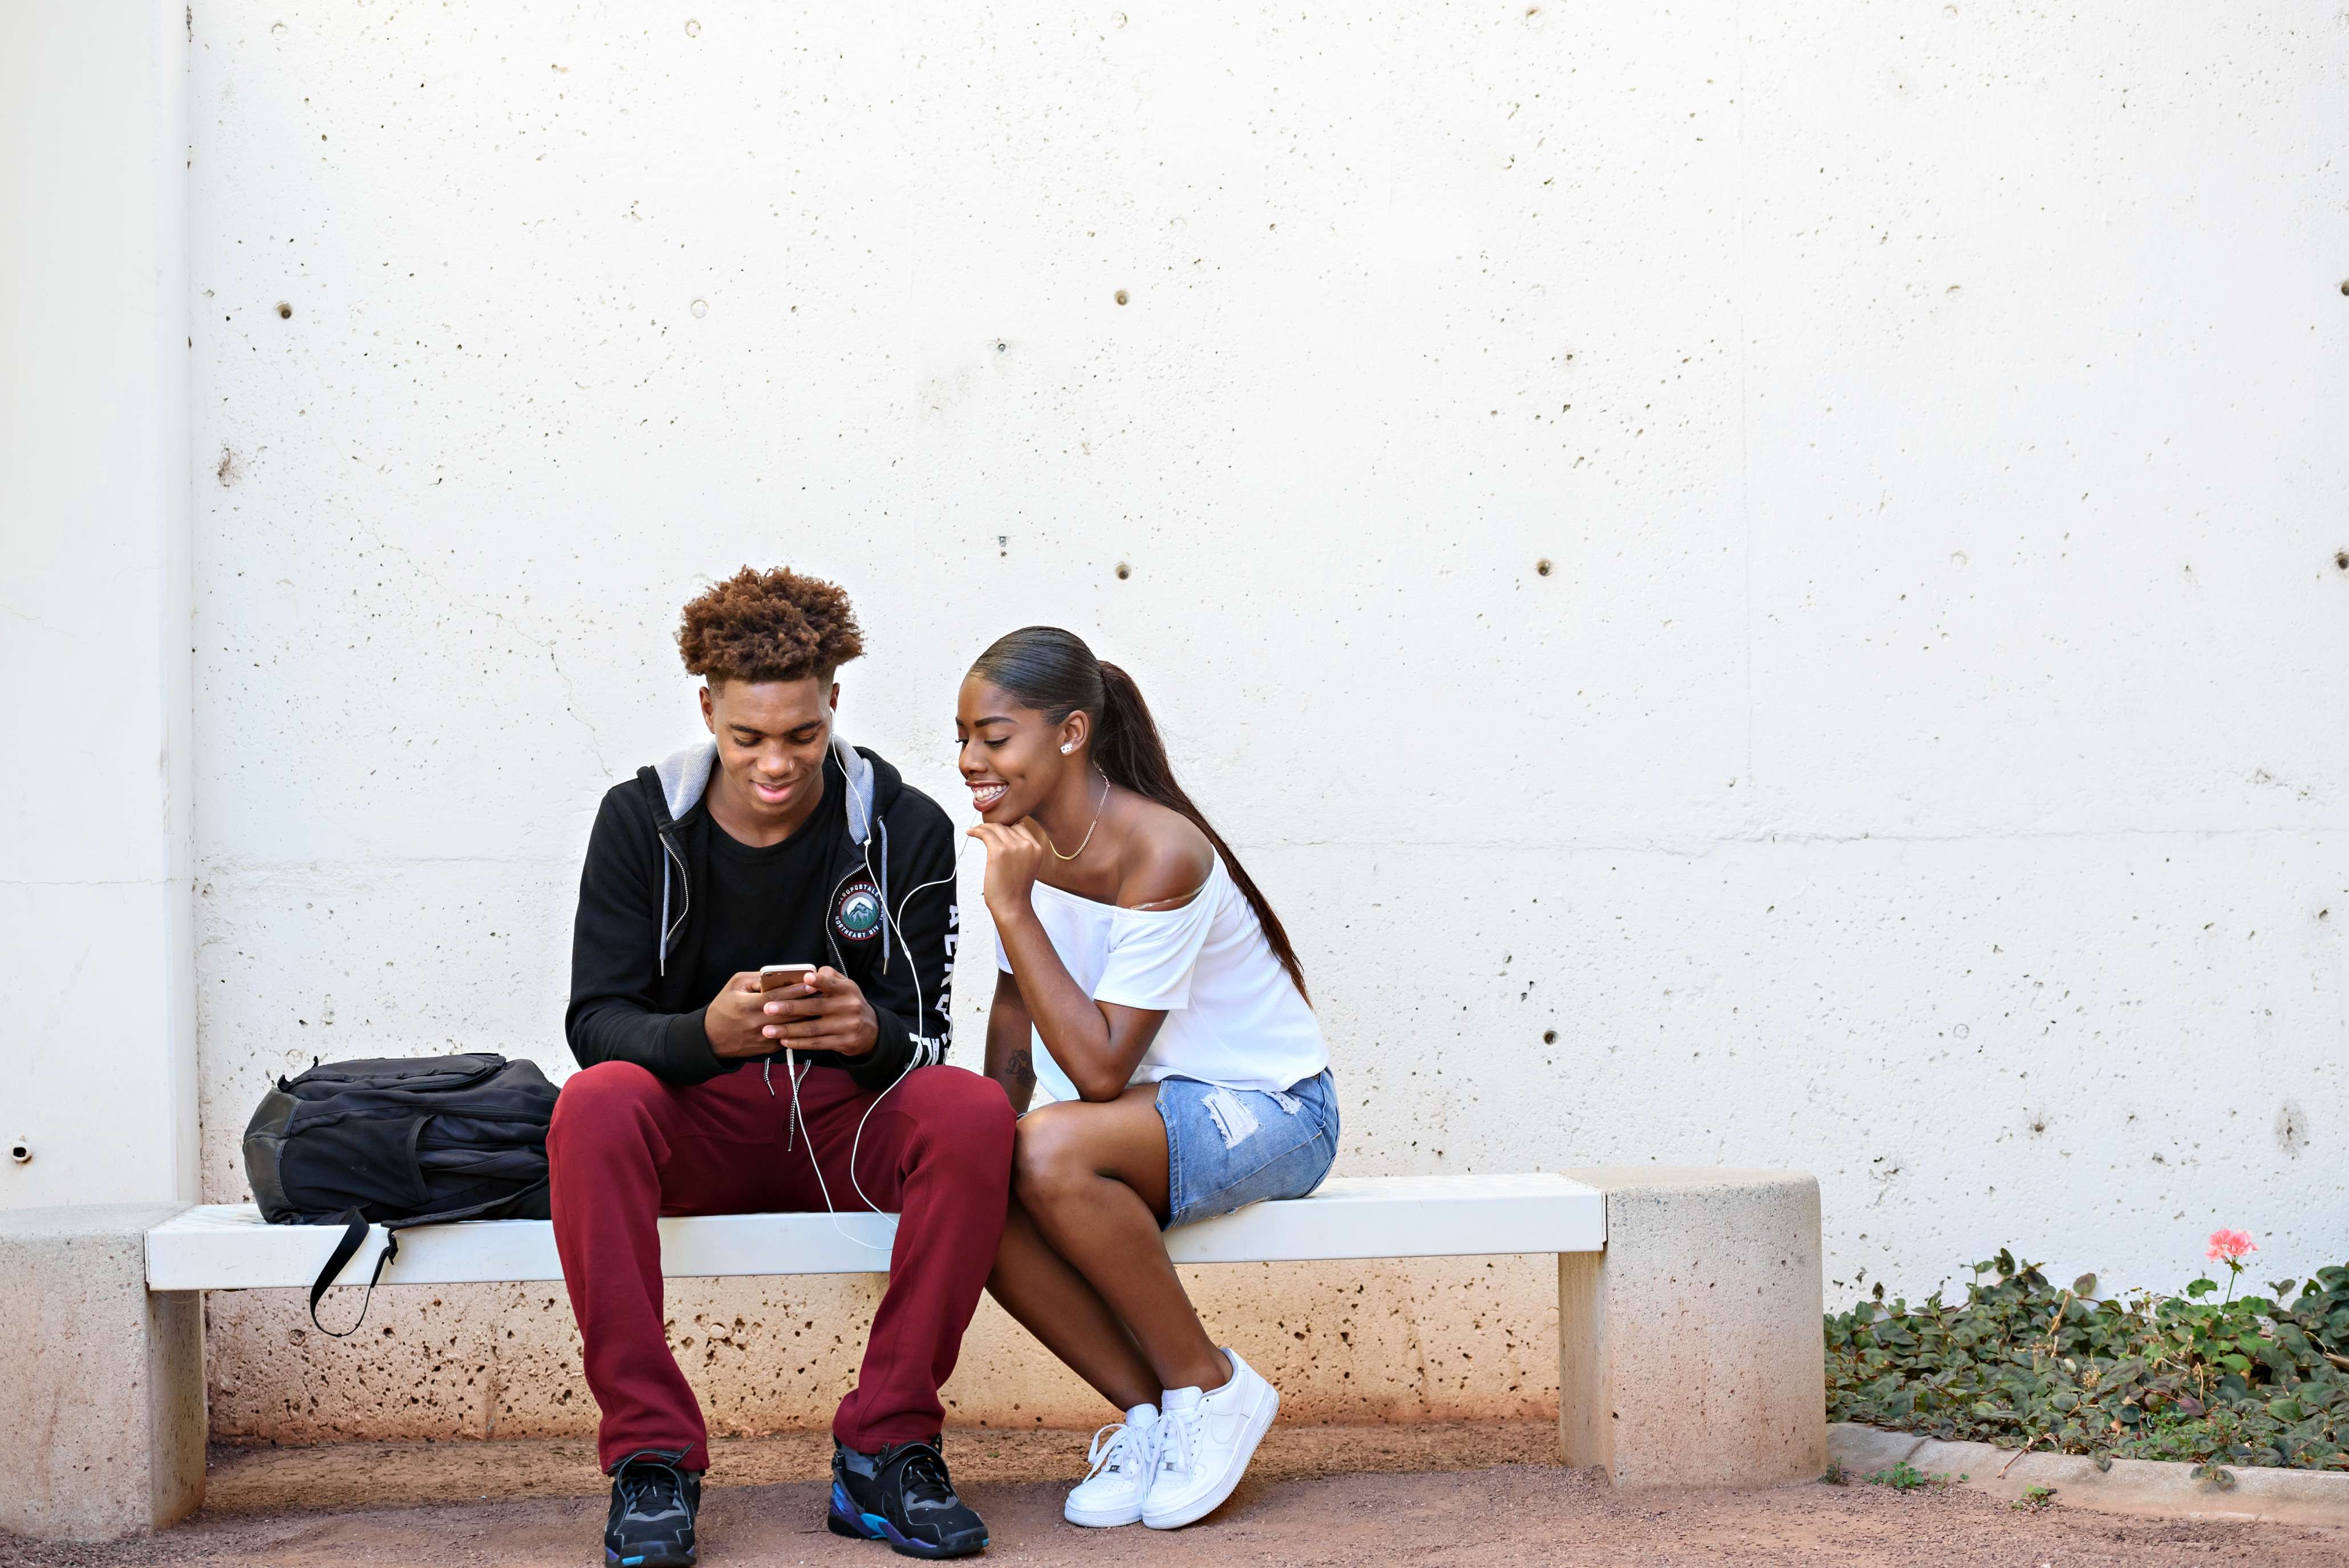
x,y
823,1010
807,1009
735,1018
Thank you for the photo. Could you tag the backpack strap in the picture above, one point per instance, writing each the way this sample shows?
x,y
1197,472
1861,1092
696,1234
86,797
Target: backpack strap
x,y
354,1235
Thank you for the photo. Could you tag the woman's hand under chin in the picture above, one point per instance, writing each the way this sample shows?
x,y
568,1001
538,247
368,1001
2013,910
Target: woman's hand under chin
x,y
1015,854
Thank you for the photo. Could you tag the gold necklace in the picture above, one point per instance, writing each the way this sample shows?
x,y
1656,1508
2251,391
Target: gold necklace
x,y
1088,832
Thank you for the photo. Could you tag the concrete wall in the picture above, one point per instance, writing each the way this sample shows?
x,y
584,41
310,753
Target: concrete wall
x,y
97,1028
1921,763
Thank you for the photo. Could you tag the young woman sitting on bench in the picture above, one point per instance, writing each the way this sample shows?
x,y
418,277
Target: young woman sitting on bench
x,y
1147,984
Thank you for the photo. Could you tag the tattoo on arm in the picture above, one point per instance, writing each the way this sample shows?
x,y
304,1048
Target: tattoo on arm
x,y
1017,1074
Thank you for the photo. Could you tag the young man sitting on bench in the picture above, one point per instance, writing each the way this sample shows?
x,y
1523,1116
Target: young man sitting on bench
x,y
774,844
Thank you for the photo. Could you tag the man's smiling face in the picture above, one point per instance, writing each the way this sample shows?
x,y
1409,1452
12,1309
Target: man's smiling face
x,y
771,737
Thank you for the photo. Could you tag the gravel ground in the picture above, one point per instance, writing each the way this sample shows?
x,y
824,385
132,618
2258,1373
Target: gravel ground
x,y
1480,1494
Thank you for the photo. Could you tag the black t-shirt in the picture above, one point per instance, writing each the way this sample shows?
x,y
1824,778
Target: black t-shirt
x,y
768,905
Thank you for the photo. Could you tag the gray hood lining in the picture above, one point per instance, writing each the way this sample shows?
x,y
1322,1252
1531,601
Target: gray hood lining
x,y
685,778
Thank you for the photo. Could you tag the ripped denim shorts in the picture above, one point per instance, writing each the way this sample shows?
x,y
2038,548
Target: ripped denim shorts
x,y
1228,1148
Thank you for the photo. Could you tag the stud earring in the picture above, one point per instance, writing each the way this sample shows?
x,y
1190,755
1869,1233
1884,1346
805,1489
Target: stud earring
x,y
1066,750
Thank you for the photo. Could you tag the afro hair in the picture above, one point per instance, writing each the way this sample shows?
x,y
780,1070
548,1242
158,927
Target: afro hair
x,y
769,627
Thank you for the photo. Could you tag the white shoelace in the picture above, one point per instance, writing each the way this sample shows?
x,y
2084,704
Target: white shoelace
x,y
1179,1437
1122,1448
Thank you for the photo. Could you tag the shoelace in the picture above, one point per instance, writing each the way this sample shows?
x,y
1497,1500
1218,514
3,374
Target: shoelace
x,y
1121,1447
925,1469
1179,1437
659,1485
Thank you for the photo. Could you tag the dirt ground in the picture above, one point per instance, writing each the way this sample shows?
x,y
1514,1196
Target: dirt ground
x,y
1490,1495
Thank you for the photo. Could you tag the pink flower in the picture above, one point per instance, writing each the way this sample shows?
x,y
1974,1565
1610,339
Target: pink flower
x,y
2228,1246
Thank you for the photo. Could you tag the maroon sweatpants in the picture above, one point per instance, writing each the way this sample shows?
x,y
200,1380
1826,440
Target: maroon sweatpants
x,y
626,1147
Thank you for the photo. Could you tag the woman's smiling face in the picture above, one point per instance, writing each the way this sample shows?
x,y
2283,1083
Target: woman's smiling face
x,y
1010,756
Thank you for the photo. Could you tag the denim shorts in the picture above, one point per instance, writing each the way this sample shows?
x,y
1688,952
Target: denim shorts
x,y
1228,1148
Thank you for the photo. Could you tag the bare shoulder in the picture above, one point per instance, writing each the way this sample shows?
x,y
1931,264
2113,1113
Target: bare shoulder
x,y
1167,858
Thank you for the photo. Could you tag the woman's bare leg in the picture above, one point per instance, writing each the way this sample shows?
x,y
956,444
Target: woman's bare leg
x,y
1092,1179
1052,1300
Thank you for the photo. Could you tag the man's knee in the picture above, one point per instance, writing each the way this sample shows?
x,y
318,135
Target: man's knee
x,y
596,1100
962,1117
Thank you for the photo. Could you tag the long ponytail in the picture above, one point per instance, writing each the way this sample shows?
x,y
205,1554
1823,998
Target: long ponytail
x,y
1055,673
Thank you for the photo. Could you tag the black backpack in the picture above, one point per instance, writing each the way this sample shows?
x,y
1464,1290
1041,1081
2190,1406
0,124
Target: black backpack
x,y
400,1143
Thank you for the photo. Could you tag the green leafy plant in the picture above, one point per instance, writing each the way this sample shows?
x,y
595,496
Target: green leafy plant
x,y
2036,1497
2242,1380
1905,1477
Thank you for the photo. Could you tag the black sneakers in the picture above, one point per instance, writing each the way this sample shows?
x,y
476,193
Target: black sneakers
x,y
651,1522
902,1495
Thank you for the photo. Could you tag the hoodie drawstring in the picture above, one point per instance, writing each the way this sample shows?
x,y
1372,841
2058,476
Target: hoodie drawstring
x,y
791,1076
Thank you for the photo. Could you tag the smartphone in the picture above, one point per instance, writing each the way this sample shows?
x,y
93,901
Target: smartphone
x,y
776,976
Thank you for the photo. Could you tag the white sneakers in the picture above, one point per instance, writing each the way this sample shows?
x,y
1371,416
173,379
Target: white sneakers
x,y
1172,1463
1205,1442
1188,1454
1123,1459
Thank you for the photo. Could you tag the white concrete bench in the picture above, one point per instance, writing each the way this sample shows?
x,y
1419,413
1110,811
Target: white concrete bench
x,y
230,1247
1689,1350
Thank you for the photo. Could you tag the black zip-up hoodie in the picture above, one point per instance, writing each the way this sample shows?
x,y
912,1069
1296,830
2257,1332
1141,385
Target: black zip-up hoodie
x,y
639,933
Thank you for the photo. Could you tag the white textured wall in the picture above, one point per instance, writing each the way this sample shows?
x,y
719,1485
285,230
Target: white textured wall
x,y
98,1035
1924,765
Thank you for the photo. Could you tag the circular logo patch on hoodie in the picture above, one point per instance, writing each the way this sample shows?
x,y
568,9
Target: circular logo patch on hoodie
x,y
856,913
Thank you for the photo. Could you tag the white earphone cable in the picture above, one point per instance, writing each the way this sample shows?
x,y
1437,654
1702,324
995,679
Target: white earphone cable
x,y
856,1142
